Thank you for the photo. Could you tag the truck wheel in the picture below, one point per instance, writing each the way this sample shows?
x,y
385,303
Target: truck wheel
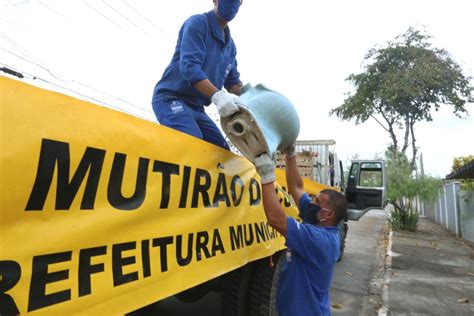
x,y
234,291
342,236
263,286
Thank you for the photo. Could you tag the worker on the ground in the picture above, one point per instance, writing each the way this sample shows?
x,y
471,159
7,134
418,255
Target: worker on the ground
x,y
203,63
313,246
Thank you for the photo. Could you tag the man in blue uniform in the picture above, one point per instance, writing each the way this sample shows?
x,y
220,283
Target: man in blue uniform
x,y
313,246
203,63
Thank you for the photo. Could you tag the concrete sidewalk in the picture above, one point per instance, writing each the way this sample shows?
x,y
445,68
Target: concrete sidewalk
x,y
429,272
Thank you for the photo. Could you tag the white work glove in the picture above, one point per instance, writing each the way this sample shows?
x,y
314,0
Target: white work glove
x,y
225,102
290,151
265,168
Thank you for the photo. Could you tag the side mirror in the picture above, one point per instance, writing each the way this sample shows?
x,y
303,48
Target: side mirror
x,y
366,187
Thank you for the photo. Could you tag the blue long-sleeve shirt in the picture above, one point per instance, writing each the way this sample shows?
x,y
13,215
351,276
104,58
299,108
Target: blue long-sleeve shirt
x,y
304,283
202,52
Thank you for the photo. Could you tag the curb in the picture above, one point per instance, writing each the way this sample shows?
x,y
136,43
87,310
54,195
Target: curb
x,y
385,310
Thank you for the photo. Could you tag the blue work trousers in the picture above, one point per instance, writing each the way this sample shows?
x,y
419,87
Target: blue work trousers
x,y
176,114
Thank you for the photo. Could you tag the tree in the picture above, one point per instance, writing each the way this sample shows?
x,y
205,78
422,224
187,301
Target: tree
x,y
402,84
458,163
403,187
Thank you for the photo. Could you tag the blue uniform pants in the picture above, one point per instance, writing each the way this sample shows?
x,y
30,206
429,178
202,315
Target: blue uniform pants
x,y
176,114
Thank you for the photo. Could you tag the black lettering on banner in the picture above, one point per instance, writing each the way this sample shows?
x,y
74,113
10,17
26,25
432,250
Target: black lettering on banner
x,y
221,191
40,277
273,233
53,152
217,244
201,189
202,238
167,169
236,237
183,261
86,269
183,199
267,231
114,188
10,272
146,258
236,181
118,262
259,231
163,243
254,186
248,234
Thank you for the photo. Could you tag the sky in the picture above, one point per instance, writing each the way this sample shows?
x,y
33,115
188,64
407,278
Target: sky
x,y
112,52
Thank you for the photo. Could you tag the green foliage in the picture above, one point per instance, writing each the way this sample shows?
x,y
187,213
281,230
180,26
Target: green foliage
x,y
403,220
402,84
403,187
399,177
459,162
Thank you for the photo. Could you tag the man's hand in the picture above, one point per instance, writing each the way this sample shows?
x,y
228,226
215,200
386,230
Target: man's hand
x,y
265,168
225,102
290,151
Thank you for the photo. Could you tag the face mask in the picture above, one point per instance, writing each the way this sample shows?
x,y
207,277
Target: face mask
x,y
227,9
311,214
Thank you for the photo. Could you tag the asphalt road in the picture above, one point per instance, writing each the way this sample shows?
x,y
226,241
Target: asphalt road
x,y
356,285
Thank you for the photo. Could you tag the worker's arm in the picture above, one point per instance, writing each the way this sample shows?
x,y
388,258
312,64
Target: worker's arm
x,y
205,87
271,204
226,103
192,55
293,177
276,217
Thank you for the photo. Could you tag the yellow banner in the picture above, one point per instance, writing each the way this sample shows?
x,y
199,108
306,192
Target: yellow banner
x,y
102,212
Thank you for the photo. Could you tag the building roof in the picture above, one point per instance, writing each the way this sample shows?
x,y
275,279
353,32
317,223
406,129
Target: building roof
x,y
465,172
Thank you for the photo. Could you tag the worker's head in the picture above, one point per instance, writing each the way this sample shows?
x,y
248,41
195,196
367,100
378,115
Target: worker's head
x,y
332,207
227,9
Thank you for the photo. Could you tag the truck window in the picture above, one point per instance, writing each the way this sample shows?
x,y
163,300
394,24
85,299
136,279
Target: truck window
x,y
370,175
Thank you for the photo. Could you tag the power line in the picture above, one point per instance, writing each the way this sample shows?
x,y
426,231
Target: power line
x,y
143,16
76,82
34,63
107,94
16,45
126,18
51,9
105,17
25,74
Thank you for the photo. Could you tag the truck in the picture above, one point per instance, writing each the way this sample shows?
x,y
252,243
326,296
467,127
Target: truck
x,y
105,213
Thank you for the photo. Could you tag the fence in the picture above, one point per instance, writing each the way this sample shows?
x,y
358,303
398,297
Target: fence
x,y
454,209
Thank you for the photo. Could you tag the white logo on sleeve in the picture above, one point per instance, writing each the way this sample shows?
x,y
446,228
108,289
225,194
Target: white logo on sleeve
x,y
176,107
227,70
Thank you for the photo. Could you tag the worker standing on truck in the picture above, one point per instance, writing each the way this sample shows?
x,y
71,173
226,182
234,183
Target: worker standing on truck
x,y
203,63
313,246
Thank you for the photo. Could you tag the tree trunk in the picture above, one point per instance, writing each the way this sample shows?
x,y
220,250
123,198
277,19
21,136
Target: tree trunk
x,y
413,140
407,133
394,140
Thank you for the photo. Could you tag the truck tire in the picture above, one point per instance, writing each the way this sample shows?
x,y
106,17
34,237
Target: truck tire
x,y
234,291
263,286
342,237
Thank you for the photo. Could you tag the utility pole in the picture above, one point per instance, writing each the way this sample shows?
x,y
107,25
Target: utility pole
x,y
422,171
